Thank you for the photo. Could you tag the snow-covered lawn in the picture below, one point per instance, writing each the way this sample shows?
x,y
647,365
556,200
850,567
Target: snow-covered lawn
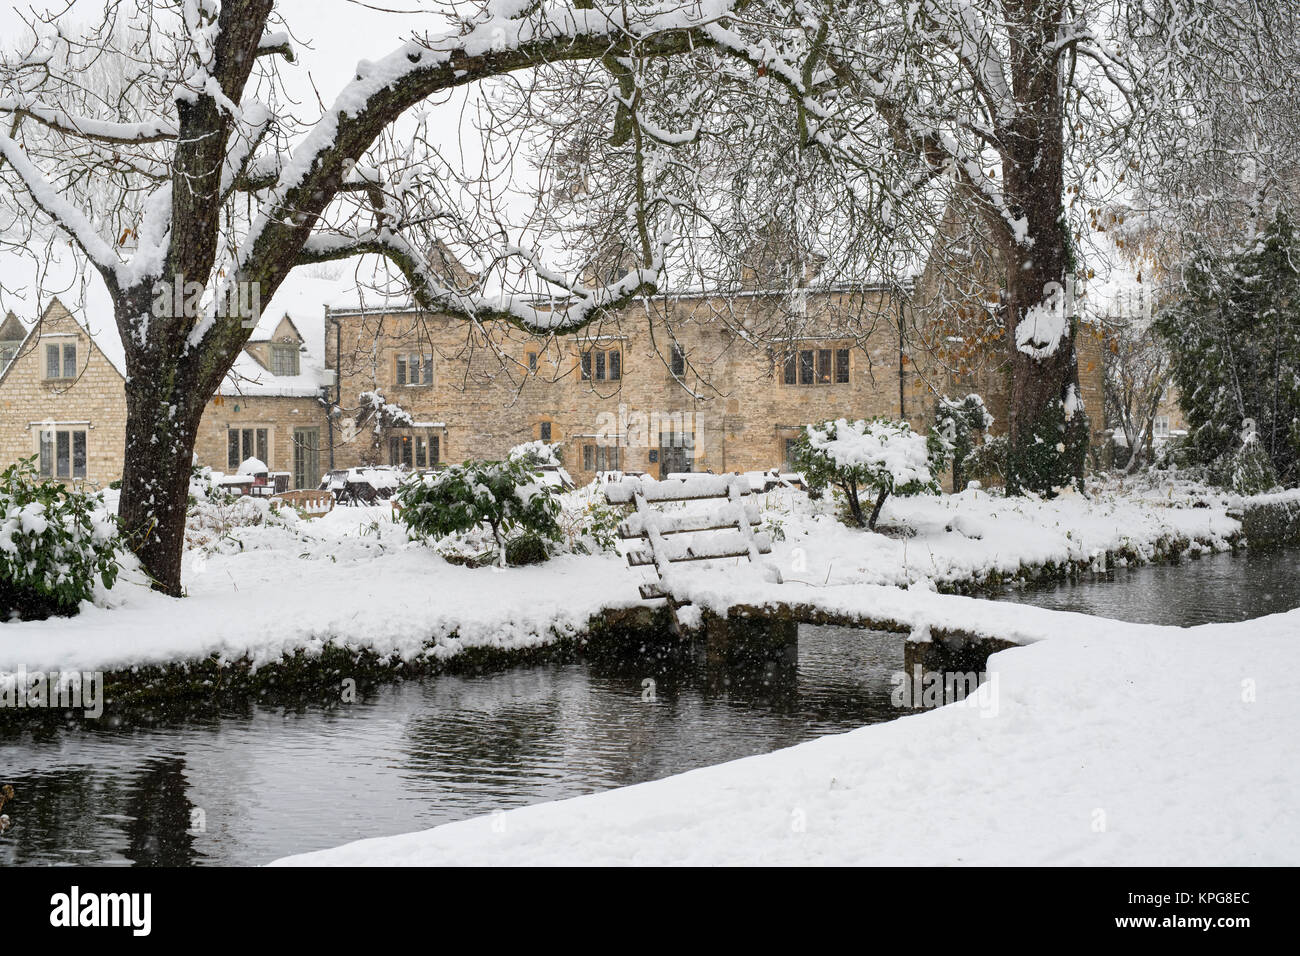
x,y
351,578
1108,744
967,537
348,578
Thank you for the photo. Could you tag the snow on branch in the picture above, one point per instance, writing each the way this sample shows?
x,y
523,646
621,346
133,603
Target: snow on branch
x,y
88,127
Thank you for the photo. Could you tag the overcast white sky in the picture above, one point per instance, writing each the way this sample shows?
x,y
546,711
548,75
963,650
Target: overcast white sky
x,y
331,36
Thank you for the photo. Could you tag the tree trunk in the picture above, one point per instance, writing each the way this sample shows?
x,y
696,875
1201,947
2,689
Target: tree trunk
x,y
850,489
163,408
875,512
1048,430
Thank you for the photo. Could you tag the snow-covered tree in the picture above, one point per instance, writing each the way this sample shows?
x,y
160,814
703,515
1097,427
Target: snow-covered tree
x,y
1235,341
1137,368
377,414
218,183
876,458
961,423
1216,144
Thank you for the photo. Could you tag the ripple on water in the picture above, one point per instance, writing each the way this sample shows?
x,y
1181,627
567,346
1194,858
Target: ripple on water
x,y
251,784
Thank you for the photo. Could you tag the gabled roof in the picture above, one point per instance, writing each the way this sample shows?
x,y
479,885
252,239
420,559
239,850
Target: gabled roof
x,y
12,329
37,328
298,306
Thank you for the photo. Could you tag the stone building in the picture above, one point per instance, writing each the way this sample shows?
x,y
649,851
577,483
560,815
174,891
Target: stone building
x,y
690,381
678,383
63,399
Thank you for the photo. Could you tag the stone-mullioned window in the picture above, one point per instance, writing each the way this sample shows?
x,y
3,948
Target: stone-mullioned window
x,y
63,453
816,367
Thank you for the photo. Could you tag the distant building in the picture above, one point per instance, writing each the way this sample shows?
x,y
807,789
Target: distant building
x,y
63,400
681,382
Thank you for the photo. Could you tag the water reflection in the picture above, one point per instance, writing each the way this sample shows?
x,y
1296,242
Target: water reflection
x,y
270,779
1220,587
276,780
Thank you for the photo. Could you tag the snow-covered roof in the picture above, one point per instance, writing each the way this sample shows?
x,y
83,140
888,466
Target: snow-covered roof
x,y
302,297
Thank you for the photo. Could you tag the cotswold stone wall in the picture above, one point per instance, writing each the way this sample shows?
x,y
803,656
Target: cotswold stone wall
x,y
281,417
94,400
476,398
731,397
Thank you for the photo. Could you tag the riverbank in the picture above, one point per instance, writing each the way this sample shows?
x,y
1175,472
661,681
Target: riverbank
x,y
1110,744
309,603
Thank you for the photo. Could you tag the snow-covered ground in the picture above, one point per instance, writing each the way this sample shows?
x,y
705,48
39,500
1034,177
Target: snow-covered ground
x,y
1110,743
351,578
968,536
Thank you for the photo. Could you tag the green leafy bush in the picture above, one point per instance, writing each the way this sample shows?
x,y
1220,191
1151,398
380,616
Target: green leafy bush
x,y
54,542
988,462
879,457
962,423
1234,338
507,497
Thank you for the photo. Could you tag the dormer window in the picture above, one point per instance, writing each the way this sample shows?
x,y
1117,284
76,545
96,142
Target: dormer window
x,y
284,359
61,360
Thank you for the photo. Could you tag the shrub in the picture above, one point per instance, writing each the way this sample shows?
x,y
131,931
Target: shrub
x,y
54,542
961,423
506,496
1250,470
988,462
587,522
526,548
879,457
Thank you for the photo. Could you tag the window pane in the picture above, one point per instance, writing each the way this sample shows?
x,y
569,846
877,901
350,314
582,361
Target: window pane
x,y
262,452
284,360
62,454
789,374
532,361
823,366
841,366
613,458
401,370
546,431
47,454
394,451
600,366
588,463
78,454
232,449
420,454
69,361
52,367
805,368
679,361
615,365
408,451
426,373
586,365
248,445
433,450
